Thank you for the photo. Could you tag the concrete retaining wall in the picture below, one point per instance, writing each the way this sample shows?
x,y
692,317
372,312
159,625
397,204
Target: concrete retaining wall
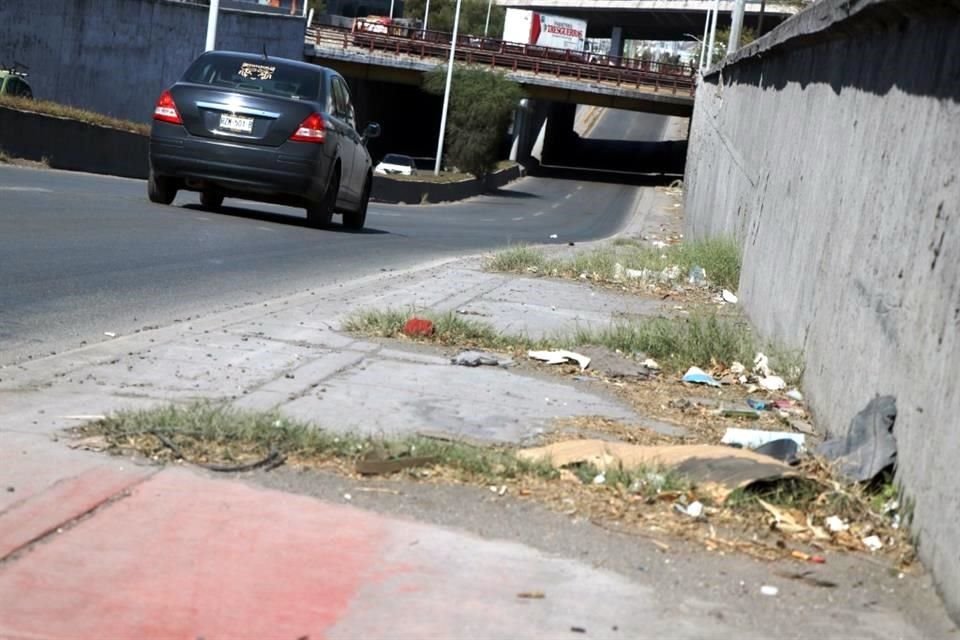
x,y
77,146
72,145
831,150
115,56
415,192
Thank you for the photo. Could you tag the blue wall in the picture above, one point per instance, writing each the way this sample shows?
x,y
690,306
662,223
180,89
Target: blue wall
x,y
115,56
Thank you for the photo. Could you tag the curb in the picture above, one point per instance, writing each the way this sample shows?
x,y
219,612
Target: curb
x,y
392,191
72,145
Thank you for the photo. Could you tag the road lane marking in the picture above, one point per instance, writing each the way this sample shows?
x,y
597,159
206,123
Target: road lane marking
x,y
518,219
555,205
265,228
33,189
568,196
538,214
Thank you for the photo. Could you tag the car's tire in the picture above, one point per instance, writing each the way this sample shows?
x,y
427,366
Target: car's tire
x,y
356,219
320,213
161,189
211,200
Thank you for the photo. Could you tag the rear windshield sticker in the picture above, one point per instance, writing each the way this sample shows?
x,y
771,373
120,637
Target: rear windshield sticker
x,y
256,71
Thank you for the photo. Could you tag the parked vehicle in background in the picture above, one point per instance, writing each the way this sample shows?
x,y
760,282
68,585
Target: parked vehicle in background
x,y
383,25
13,82
262,128
395,163
526,27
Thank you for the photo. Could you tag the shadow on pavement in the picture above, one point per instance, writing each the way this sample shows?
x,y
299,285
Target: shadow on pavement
x,y
508,193
279,218
600,175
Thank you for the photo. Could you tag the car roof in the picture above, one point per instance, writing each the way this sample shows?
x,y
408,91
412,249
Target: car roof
x,y
250,56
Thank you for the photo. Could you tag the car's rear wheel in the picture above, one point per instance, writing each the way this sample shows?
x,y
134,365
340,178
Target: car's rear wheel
x,y
161,189
211,200
320,213
356,219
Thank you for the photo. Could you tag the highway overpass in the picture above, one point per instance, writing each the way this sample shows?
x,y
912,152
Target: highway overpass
x,y
404,61
654,19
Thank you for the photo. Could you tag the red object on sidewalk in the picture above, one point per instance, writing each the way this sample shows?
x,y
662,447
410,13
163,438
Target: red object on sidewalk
x,y
418,327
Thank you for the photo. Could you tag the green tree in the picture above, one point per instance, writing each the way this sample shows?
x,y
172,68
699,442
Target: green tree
x,y
747,35
473,16
481,103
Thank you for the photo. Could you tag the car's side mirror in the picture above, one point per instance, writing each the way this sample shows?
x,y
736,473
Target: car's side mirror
x,y
372,131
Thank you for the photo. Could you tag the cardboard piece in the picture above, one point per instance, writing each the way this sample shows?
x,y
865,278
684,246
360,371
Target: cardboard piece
x,y
716,470
560,357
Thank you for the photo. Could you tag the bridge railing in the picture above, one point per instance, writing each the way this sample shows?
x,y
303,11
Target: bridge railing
x,y
540,61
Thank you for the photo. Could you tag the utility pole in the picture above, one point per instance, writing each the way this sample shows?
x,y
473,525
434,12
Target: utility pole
x,y
446,91
736,26
763,9
486,26
391,9
426,15
212,25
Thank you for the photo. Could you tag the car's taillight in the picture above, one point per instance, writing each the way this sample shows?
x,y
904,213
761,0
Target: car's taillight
x,y
166,109
311,130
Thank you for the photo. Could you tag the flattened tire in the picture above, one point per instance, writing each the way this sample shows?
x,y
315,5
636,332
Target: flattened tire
x,y
356,219
320,214
160,189
211,200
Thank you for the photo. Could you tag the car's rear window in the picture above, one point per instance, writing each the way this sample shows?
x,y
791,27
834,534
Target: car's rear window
x,y
257,75
393,158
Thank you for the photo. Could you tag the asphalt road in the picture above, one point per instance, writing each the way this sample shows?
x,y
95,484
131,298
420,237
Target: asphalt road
x,y
81,255
634,126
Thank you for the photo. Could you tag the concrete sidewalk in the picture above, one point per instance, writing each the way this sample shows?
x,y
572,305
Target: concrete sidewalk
x,y
99,547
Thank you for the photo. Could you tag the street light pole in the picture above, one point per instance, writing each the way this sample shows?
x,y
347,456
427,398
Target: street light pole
x,y
391,8
487,25
212,25
713,33
736,26
446,91
426,15
703,43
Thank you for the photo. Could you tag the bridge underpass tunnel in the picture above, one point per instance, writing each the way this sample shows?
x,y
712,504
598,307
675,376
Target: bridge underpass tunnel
x,y
409,116
548,134
613,140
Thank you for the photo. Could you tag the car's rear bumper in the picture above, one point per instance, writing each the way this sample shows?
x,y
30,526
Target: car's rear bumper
x,y
294,169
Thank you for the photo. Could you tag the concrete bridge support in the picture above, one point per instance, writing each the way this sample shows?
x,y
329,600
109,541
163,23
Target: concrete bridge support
x,y
829,150
528,126
616,42
560,139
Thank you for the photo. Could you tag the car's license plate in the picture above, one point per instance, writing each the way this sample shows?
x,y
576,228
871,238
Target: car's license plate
x,y
238,124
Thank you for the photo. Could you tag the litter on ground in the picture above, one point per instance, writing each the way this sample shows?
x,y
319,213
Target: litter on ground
x,y
696,375
717,470
869,446
772,383
753,438
477,358
560,356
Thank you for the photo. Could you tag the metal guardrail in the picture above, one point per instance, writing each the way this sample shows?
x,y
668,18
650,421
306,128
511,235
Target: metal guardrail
x,y
540,61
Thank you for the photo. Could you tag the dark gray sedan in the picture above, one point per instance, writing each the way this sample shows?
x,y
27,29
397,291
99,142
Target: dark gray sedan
x,y
262,128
